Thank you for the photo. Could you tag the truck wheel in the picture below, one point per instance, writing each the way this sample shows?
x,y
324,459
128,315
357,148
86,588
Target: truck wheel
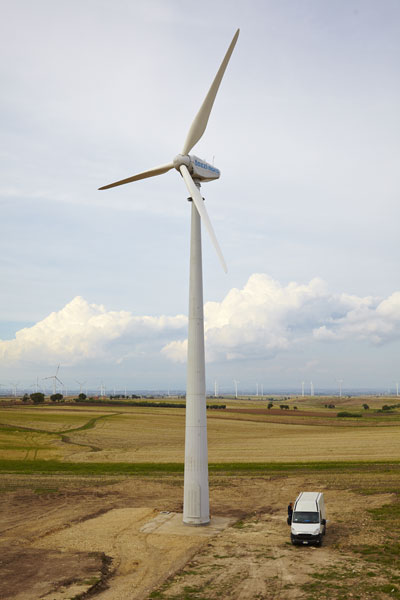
x,y
319,541
294,543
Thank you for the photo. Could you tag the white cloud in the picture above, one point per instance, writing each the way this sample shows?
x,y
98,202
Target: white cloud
x,y
377,322
260,320
265,318
87,331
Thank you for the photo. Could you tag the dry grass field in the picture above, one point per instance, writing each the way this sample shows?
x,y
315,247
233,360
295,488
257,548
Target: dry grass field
x,y
242,433
89,493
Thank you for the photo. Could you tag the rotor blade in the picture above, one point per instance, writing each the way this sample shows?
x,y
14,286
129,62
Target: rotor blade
x,y
151,173
199,124
199,203
59,381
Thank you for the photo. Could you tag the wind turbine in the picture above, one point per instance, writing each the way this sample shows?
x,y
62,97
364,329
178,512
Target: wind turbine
x,y
194,171
55,379
80,385
236,389
15,386
35,385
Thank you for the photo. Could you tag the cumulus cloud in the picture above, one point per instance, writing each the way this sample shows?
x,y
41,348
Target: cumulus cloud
x,y
266,317
369,319
260,320
83,331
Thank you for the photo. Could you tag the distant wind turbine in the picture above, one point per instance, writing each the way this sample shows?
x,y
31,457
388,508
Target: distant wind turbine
x,y
55,379
236,387
81,383
15,386
35,385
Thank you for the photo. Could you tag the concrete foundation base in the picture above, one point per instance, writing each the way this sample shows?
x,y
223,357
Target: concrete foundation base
x,y
172,524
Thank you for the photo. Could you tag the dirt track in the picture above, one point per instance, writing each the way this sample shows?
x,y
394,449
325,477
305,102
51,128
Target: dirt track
x,y
108,539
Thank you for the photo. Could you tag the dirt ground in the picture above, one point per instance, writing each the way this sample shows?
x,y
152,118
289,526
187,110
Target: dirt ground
x,y
120,539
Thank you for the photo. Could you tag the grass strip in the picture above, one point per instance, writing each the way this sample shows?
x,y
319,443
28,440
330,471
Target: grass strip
x,y
143,469
19,428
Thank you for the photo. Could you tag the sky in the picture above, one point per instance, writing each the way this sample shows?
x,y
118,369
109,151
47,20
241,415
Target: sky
x,y
306,132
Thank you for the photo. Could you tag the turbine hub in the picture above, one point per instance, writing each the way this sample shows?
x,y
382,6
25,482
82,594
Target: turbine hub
x,y
181,159
198,168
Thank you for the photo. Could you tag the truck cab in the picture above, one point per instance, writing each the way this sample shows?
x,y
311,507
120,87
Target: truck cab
x,y
309,519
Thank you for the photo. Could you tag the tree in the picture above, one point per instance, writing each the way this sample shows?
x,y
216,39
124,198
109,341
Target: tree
x,y
270,405
56,397
365,406
37,397
82,397
25,398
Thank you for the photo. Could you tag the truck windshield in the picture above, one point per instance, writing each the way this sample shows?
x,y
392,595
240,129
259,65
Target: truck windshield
x,y
305,517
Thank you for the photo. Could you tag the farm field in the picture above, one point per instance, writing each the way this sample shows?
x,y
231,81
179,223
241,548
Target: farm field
x,y
89,497
241,433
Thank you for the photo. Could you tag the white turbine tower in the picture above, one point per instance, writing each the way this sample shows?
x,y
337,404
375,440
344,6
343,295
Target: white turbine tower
x,y
195,171
81,383
236,383
15,386
55,379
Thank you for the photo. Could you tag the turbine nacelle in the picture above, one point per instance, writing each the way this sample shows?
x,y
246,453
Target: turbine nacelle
x,y
198,168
